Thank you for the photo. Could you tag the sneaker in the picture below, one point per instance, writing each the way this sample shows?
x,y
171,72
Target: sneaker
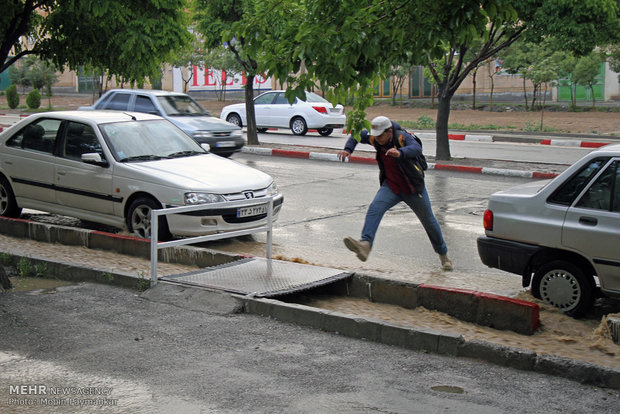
x,y
361,248
446,263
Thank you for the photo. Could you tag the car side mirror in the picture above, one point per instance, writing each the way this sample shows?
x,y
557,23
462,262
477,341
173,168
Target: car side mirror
x,y
94,159
206,146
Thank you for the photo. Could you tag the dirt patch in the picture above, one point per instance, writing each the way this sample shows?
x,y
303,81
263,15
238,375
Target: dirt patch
x,y
513,119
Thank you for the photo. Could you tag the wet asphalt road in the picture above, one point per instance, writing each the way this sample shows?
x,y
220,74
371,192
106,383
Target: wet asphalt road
x,y
327,201
152,357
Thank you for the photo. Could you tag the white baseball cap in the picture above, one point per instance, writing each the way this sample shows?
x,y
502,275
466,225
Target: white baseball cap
x,y
379,125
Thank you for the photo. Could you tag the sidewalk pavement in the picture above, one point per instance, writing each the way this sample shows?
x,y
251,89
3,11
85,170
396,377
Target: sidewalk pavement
x,y
466,165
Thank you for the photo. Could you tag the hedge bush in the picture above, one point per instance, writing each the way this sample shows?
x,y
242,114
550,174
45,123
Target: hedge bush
x,y
33,100
12,97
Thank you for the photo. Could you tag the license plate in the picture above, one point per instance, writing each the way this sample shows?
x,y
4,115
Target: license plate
x,y
334,110
221,144
251,211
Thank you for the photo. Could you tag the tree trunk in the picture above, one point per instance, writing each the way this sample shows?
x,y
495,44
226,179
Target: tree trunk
x,y
542,111
441,127
249,112
473,105
525,93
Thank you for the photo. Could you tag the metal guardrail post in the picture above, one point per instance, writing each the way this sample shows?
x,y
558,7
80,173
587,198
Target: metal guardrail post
x,y
156,246
154,249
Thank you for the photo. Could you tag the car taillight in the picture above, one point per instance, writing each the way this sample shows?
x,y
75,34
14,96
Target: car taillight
x,y
320,109
487,220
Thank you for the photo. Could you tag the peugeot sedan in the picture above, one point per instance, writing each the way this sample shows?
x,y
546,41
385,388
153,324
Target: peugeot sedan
x,y
180,109
273,110
115,167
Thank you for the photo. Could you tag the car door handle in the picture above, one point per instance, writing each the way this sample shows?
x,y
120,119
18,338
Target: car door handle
x,y
588,221
62,173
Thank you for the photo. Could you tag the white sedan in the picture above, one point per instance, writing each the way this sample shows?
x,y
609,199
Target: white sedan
x,y
114,167
273,110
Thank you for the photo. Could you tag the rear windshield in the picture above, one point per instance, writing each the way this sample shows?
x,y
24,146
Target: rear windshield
x,y
567,192
181,105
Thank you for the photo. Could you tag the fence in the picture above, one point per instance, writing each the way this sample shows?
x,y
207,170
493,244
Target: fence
x,y
267,227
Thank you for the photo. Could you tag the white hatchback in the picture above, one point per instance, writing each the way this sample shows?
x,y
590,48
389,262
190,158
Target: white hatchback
x,y
113,168
273,110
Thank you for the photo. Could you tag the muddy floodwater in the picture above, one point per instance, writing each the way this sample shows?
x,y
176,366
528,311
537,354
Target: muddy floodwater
x,y
584,339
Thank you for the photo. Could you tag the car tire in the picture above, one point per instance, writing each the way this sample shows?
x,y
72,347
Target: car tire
x,y
139,219
234,119
325,132
565,286
299,126
8,204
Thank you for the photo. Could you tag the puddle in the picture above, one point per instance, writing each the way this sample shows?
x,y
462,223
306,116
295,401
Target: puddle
x,y
581,339
37,285
449,389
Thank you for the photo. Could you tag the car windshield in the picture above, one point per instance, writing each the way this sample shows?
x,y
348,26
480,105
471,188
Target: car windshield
x,y
181,105
148,140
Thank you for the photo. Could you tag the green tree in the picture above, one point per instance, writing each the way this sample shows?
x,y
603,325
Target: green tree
x,y
252,30
586,72
129,39
186,57
18,74
12,97
43,75
397,76
222,59
33,100
612,53
347,44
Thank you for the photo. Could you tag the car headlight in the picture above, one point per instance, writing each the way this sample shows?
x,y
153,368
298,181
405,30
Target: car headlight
x,y
236,133
203,134
202,198
272,190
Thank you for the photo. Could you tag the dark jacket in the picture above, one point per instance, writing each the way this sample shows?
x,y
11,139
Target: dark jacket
x,y
410,151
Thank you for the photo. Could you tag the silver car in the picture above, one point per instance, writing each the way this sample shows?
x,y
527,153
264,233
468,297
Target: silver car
x,y
182,110
113,168
561,236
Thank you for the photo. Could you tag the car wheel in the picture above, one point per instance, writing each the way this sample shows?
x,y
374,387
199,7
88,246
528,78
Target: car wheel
x,y
139,219
325,131
298,126
565,286
261,130
8,205
234,119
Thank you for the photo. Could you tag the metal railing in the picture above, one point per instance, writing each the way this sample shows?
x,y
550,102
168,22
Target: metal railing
x,y
267,227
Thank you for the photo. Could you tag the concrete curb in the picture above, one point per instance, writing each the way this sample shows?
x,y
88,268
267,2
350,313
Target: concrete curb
x,y
365,160
485,308
433,341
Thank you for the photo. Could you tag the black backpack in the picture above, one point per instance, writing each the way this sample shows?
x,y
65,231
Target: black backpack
x,y
420,160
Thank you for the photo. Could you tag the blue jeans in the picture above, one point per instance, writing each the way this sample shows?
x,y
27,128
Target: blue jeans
x,y
419,203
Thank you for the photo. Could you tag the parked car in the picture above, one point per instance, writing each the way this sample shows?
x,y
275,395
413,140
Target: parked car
x,y
182,110
115,167
274,111
565,233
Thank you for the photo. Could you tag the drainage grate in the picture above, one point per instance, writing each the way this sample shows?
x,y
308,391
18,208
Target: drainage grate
x,y
249,277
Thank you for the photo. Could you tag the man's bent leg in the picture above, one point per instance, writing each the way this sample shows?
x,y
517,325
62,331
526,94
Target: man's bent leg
x,y
383,201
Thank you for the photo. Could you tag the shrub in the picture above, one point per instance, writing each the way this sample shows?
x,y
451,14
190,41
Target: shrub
x,y
12,97
33,100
